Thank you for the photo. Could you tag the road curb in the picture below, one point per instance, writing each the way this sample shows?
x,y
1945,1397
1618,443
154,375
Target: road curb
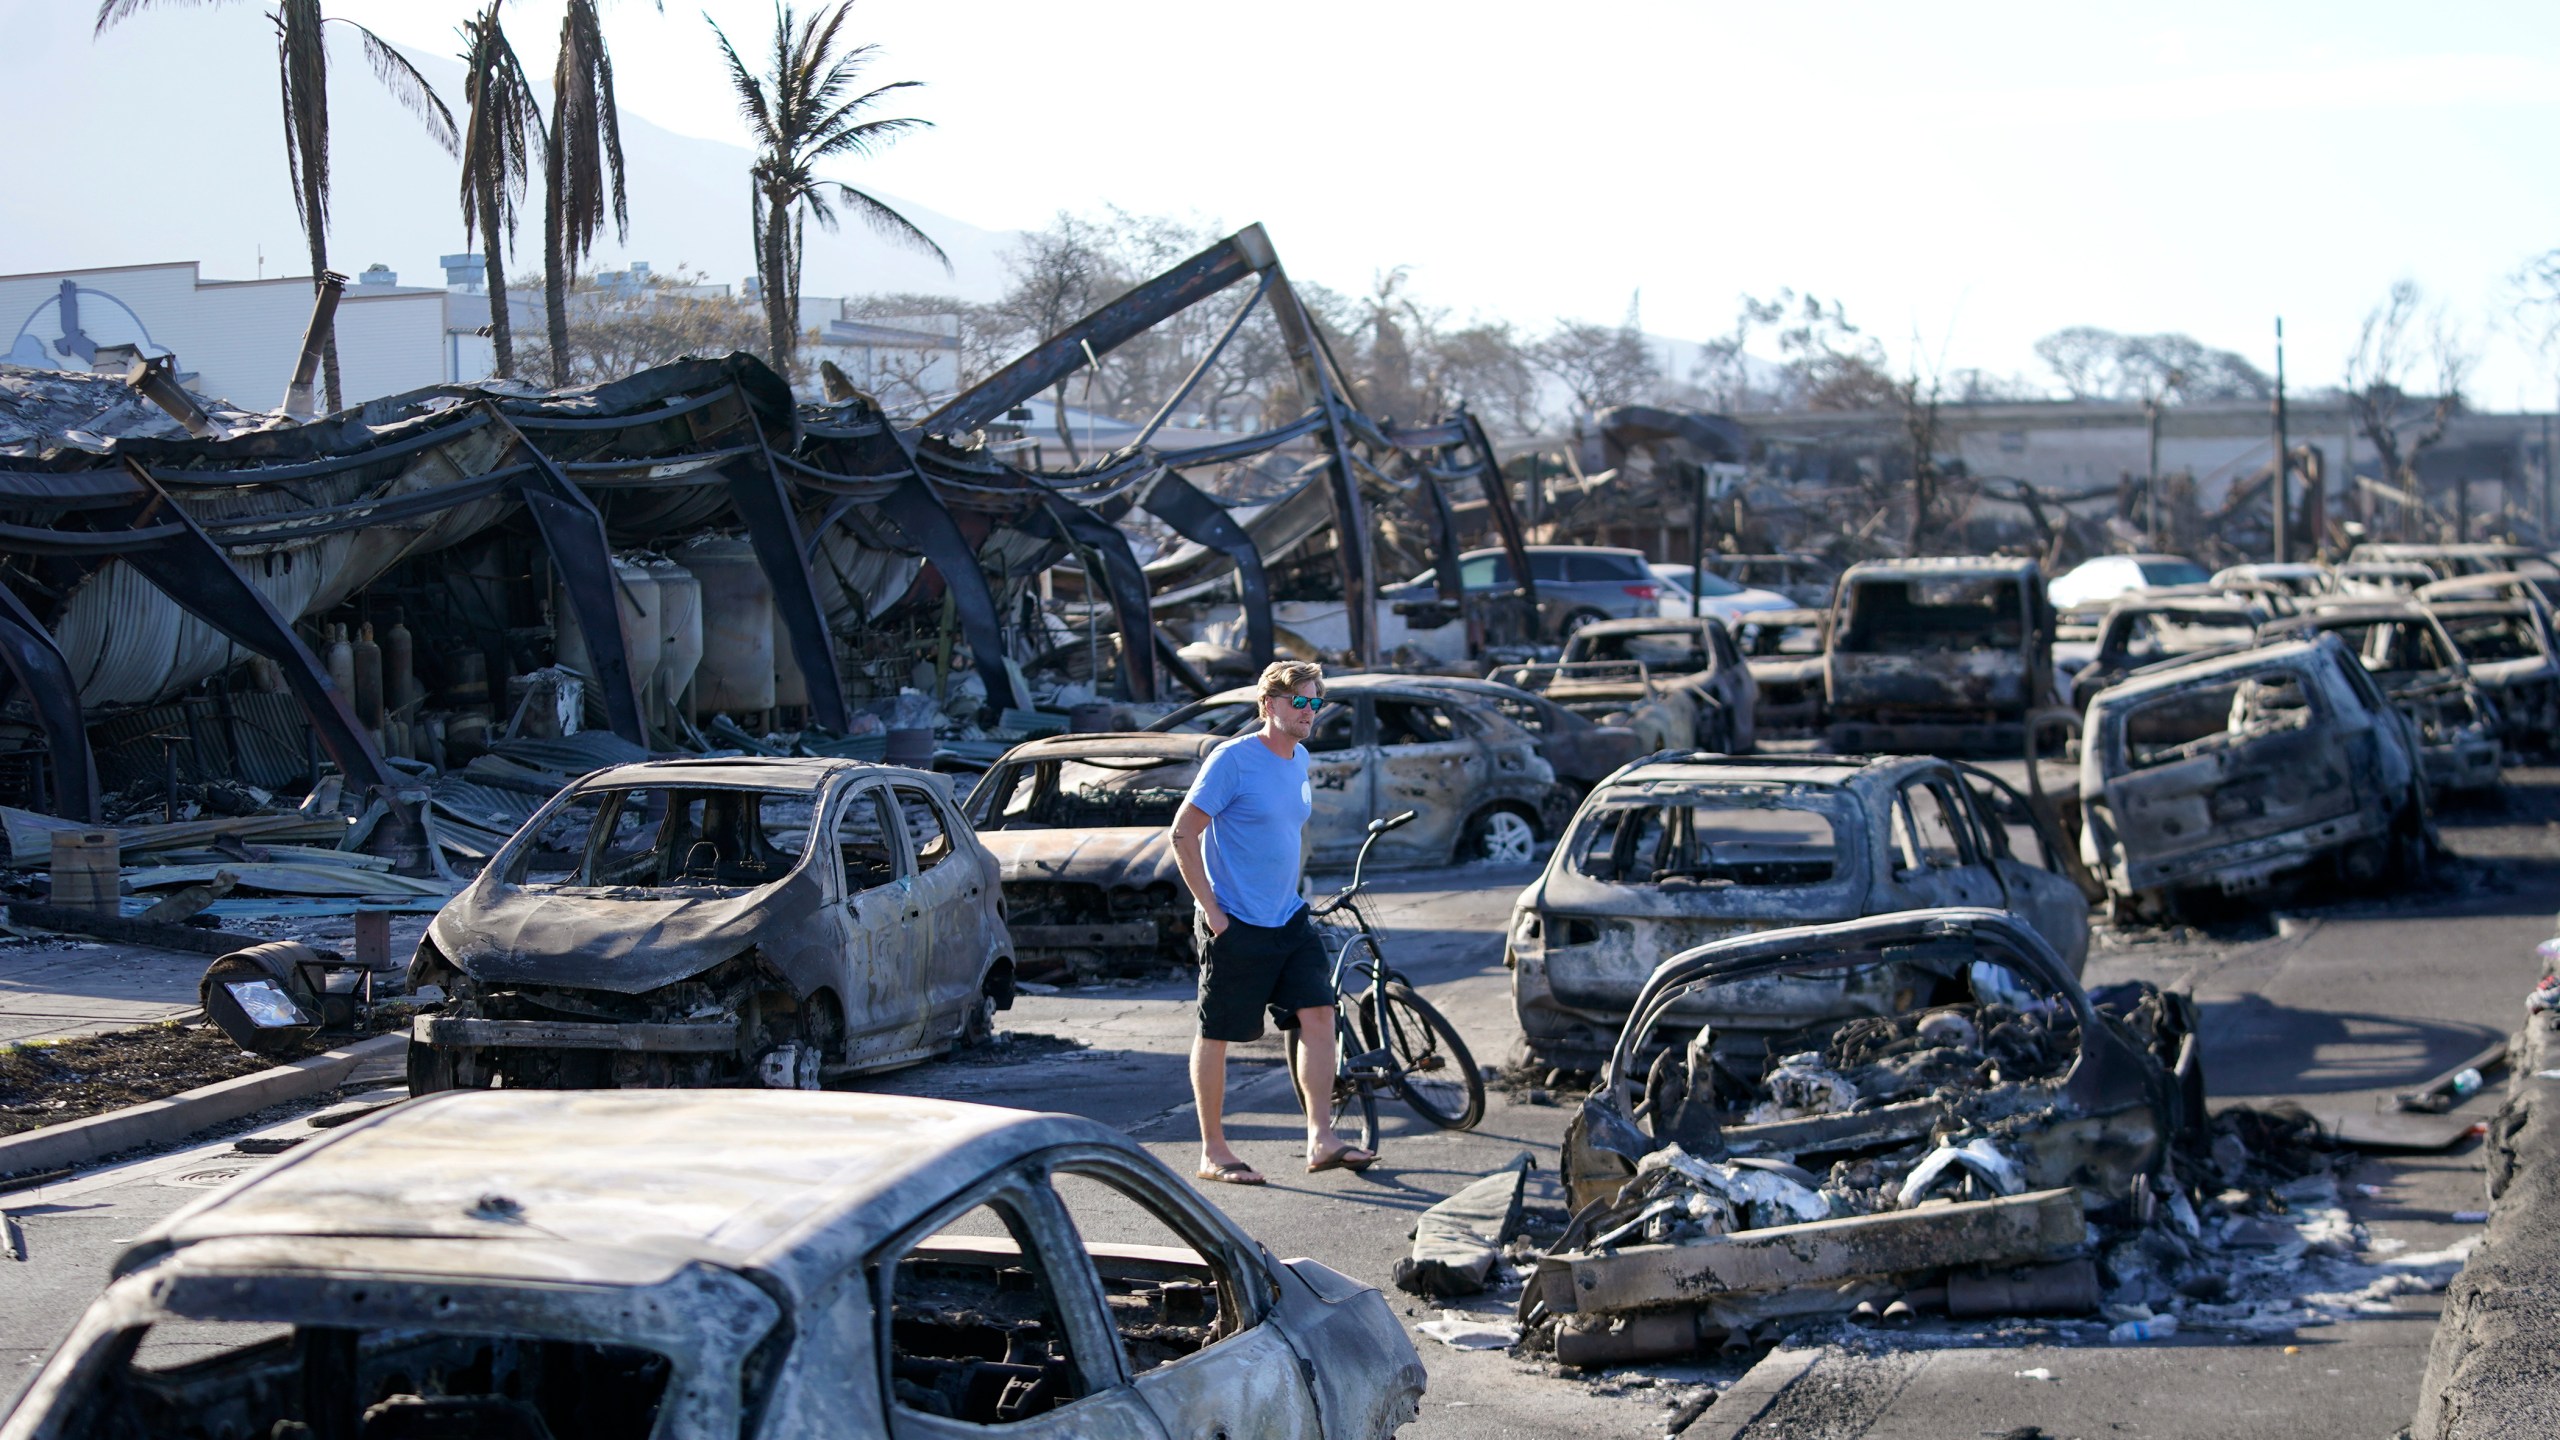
x,y
157,1122
1753,1394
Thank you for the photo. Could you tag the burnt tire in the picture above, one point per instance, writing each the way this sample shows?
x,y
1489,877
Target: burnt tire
x,y
1500,836
1434,1072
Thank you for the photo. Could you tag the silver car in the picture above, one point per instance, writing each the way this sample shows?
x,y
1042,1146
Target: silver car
x,y
688,1265
713,922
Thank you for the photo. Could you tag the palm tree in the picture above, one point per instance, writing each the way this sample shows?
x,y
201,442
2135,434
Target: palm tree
x,y
582,167
302,65
500,135
800,115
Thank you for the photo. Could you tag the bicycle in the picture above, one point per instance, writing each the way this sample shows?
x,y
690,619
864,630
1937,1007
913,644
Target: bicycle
x,y
1397,1041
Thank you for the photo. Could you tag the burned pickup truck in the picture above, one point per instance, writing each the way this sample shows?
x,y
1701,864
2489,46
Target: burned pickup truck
x,y
1909,1155
1679,684
716,922
1680,850
2231,770
1952,654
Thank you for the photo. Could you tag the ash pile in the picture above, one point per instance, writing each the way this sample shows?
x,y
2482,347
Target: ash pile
x,y
2001,1143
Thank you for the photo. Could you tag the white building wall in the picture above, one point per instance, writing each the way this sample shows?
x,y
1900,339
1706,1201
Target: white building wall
x,y
239,338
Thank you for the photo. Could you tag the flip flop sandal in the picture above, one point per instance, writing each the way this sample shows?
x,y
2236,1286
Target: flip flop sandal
x,y
1234,1172
1341,1160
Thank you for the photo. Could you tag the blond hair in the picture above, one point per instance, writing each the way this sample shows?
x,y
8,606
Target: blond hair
x,y
1283,677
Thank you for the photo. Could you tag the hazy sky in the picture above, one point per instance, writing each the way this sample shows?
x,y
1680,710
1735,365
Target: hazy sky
x,y
1966,177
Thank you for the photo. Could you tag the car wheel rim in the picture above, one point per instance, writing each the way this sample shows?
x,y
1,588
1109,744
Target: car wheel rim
x,y
1508,838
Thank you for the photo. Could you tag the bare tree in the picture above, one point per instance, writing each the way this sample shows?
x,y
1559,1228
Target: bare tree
x,y
620,329
2396,337
2097,364
1599,365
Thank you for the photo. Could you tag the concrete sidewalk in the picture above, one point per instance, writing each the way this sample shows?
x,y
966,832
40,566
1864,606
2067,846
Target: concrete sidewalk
x,y
53,987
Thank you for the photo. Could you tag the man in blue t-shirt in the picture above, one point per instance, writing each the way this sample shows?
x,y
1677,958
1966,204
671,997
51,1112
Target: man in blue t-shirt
x,y
1238,839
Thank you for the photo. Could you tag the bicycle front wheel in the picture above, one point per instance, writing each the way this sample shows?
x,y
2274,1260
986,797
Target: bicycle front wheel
x,y
1433,1071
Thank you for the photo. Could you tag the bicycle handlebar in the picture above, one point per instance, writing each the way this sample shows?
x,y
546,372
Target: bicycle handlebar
x,y
1376,828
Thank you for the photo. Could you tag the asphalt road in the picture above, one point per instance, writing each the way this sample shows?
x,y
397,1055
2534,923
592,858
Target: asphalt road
x,y
2335,1003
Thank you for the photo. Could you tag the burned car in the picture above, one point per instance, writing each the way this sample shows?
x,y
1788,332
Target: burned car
x,y
2228,771
699,1265
2416,663
2513,654
1947,654
1675,851
1678,684
1982,1121
1081,828
1385,743
2145,629
716,922
1582,751
1784,650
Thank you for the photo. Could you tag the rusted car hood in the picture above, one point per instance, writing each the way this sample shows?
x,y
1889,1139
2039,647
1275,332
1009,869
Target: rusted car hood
x,y
1124,855
596,939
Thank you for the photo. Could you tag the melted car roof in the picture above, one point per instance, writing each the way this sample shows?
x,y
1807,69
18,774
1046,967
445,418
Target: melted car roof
x,y
736,1176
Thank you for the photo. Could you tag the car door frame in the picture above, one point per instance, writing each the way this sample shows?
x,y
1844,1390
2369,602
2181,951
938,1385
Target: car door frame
x,y
1984,879
1432,837
895,1036
952,971
1111,1409
1177,1389
2047,895
1334,845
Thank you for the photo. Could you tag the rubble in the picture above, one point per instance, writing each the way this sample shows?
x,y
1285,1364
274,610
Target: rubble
x,y
1975,1127
1458,1243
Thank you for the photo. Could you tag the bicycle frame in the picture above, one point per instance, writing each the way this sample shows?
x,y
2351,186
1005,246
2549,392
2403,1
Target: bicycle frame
x,y
1374,971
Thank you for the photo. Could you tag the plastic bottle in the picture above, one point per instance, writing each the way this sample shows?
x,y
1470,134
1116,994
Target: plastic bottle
x,y
2134,1332
2466,1084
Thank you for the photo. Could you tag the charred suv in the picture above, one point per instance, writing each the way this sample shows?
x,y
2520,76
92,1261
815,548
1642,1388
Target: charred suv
x,y
717,922
2225,772
718,1266
1678,850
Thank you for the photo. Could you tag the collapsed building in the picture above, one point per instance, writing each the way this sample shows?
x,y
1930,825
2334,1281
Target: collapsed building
x,y
682,557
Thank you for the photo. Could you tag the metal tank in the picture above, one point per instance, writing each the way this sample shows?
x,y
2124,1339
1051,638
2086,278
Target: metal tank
x,y
636,597
736,673
679,635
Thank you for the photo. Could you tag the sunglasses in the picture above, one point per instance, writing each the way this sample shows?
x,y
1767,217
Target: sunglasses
x,y
1304,702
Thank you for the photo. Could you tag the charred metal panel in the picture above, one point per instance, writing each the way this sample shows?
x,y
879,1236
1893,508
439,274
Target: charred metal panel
x,y
1196,517
36,664
763,503
920,515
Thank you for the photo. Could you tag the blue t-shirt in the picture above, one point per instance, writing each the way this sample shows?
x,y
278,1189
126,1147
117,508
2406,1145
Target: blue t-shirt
x,y
1257,804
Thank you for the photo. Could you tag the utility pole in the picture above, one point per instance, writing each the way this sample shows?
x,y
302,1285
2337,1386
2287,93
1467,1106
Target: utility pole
x,y
2284,457
1697,540
2151,487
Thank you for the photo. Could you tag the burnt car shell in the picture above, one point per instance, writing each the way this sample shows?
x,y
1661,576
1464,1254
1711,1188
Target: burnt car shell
x,y
1949,653
1813,838
1679,683
2513,653
2174,797
2409,654
2105,1123
692,1265
708,956
1090,883
1385,743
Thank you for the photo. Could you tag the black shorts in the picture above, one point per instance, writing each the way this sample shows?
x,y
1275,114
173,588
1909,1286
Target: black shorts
x,y
1249,968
